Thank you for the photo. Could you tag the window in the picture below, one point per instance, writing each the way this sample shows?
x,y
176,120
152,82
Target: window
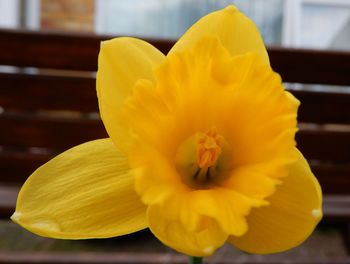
x,y
321,24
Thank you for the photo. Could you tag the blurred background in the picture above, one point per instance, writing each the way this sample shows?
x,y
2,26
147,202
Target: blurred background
x,y
307,24
323,24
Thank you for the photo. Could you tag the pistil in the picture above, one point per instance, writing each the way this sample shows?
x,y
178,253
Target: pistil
x,y
199,159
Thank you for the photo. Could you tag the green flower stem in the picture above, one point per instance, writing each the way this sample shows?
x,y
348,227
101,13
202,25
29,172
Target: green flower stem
x,y
195,260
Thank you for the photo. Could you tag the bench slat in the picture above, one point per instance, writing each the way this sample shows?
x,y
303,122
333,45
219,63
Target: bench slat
x,y
60,133
323,107
26,130
44,50
93,258
68,51
48,50
140,258
16,166
325,145
311,66
333,178
336,207
8,197
41,91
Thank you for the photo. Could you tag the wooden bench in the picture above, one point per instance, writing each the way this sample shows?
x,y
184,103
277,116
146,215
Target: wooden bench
x,y
117,258
48,104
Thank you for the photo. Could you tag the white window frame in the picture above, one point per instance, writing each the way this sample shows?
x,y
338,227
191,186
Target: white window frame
x,y
32,16
292,18
9,13
328,2
99,16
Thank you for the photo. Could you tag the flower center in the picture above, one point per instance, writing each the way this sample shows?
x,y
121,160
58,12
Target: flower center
x,y
204,159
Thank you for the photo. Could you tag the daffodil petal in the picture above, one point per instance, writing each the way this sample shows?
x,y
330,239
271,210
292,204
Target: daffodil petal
x,y
86,192
121,62
177,236
294,211
237,33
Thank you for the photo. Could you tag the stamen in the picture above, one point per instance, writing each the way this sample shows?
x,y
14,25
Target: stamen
x,y
202,175
208,148
204,159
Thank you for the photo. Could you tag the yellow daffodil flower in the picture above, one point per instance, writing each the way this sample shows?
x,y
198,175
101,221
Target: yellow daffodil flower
x,y
201,150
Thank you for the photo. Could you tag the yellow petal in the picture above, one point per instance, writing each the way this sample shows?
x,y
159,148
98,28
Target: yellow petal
x,y
227,207
86,192
258,124
294,211
121,62
237,33
177,236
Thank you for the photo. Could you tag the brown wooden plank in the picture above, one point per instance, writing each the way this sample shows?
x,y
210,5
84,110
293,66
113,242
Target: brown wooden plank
x,y
79,52
85,258
16,166
311,66
335,207
8,197
55,50
323,107
325,145
139,258
333,178
40,91
25,130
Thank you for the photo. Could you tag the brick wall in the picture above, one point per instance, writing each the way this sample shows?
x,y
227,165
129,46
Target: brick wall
x,y
77,15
